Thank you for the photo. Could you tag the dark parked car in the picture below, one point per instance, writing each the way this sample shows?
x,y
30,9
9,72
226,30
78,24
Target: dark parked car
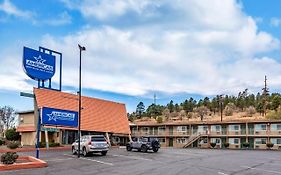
x,y
143,144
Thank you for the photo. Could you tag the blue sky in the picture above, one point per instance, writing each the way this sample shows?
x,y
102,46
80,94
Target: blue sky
x,y
175,49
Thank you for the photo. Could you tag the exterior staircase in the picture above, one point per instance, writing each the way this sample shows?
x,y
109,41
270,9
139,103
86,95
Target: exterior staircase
x,y
192,139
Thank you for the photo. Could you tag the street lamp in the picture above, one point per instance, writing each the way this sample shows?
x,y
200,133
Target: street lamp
x,y
81,48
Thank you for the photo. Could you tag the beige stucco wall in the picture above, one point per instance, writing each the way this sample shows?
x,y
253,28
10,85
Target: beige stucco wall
x,y
28,138
26,119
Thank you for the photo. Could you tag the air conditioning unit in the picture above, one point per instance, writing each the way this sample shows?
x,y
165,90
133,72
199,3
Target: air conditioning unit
x,y
257,132
279,132
236,132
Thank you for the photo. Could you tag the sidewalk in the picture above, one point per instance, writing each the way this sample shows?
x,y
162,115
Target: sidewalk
x,y
30,149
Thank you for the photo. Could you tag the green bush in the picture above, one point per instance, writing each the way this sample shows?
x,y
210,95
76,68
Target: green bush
x,y
12,134
9,158
245,145
226,145
159,119
1,142
13,145
54,144
41,145
269,145
213,145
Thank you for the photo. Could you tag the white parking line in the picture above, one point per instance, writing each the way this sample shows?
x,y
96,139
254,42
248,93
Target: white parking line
x,y
131,157
57,160
106,163
222,173
269,171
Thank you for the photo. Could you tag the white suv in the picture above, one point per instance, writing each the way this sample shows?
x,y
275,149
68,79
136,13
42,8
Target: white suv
x,y
91,144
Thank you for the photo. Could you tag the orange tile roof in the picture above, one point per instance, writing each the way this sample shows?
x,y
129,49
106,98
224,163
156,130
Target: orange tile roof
x,y
97,115
25,128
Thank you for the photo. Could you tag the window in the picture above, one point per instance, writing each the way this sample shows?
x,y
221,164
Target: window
x,y
260,127
260,140
203,141
161,129
181,128
145,130
275,127
234,140
215,140
161,140
216,128
234,127
276,141
181,140
98,139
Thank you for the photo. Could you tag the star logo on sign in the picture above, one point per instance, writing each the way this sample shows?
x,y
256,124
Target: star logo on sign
x,y
52,117
39,59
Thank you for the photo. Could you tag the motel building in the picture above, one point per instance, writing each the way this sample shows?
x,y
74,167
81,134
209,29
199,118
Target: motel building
x,y
257,131
97,117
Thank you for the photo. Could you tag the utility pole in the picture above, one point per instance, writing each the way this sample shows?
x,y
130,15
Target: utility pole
x,y
265,94
221,105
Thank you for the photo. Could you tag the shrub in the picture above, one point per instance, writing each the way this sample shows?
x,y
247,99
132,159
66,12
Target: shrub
x,y
41,144
245,145
226,145
1,142
12,134
13,145
229,109
250,111
9,158
269,145
159,119
213,145
54,144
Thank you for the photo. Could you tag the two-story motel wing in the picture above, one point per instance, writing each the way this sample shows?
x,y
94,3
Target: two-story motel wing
x,y
256,132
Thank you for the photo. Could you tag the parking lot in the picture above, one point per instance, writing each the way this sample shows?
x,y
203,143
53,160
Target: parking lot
x,y
166,161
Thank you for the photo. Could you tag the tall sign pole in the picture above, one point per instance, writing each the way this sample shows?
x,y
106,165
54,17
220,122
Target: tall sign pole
x,y
38,134
81,48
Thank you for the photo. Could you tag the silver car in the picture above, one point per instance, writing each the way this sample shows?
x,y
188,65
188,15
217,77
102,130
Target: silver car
x,y
91,144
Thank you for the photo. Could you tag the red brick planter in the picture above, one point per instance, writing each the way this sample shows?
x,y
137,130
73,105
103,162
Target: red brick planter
x,y
32,163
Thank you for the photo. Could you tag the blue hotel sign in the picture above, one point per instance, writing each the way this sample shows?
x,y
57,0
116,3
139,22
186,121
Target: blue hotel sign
x,y
52,116
38,65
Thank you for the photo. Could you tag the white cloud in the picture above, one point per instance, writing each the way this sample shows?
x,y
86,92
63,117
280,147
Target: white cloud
x,y
62,19
106,9
275,22
203,47
12,10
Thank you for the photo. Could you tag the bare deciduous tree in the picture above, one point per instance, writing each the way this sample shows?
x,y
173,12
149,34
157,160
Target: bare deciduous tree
x,y
202,111
7,117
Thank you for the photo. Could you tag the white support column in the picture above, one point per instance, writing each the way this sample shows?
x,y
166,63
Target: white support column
x,y
107,138
46,139
130,138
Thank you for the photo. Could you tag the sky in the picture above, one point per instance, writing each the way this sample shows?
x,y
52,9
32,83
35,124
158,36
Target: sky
x,y
137,48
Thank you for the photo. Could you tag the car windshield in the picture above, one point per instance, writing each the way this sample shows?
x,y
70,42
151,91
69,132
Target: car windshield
x,y
98,139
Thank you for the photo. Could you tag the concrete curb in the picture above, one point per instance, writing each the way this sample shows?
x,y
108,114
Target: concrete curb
x,y
33,163
34,149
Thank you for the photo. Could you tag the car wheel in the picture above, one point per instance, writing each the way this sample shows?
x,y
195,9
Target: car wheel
x,y
84,152
129,148
155,149
143,148
73,151
103,153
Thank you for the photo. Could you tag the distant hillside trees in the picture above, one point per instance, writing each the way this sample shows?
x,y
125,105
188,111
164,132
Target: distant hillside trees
x,y
245,102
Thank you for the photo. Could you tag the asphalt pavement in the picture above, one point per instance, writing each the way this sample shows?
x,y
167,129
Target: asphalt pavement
x,y
167,161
